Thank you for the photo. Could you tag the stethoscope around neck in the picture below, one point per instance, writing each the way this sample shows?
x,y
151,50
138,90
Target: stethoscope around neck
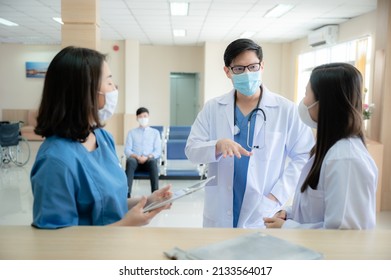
x,y
252,113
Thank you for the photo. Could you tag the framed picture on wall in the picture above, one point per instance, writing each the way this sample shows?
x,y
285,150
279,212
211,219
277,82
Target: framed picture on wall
x,y
36,69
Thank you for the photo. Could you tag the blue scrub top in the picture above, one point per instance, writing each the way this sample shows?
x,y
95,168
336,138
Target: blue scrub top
x,y
241,165
72,186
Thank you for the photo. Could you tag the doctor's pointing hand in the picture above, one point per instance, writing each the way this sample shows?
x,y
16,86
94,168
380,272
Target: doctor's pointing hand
x,y
227,147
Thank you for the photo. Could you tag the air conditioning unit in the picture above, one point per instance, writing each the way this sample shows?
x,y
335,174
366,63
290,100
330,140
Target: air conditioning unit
x,y
326,35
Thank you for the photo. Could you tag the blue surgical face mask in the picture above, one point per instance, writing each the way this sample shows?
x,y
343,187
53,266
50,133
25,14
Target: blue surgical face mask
x,y
247,83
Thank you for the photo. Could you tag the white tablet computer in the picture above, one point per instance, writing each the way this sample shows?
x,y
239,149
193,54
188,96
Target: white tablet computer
x,y
178,194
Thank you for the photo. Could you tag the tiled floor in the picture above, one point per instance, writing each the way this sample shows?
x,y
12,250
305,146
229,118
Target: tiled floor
x,y
16,199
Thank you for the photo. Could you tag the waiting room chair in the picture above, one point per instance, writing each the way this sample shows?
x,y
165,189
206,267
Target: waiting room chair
x,y
177,165
178,132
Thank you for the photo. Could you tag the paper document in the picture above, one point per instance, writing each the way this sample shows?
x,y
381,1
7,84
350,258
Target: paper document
x,y
178,194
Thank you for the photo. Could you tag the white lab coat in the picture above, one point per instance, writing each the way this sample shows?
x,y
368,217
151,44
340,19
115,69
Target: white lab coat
x,y
268,171
345,197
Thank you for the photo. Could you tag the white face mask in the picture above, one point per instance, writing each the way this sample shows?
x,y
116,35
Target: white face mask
x,y
111,103
143,121
305,114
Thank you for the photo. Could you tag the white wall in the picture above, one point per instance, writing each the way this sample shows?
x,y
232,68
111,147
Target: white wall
x,y
216,82
116,61
17,91
155,65
273,66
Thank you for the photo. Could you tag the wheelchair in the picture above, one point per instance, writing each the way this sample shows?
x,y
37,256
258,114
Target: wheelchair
x,y
13,147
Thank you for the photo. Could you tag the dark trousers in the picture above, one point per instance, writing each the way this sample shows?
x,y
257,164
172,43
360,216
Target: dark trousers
x,y
150,166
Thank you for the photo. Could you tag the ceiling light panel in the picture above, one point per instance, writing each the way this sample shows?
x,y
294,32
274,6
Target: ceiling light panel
x,y
7,22
278,11
179,32
179,8
58,19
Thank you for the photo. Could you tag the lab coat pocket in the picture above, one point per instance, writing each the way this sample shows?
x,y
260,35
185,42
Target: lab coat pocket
x,y
212,210
273,146
270,207
255,209
313,203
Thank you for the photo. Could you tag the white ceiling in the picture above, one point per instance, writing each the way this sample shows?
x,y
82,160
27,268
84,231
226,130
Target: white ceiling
x,y
150,22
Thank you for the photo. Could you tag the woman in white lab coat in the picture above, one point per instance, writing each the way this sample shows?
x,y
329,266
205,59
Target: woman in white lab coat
x,y
337,188
253,142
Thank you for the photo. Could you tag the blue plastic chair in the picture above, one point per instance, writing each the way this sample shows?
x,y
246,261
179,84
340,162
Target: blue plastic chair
x,y
177,165
179,132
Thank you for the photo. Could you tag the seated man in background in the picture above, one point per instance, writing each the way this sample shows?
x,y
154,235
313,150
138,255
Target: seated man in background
x,y
142,150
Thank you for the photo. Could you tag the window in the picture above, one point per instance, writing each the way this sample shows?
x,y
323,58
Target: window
x,y
355,52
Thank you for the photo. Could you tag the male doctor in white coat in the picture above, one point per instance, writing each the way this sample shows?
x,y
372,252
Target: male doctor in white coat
x,y
246,137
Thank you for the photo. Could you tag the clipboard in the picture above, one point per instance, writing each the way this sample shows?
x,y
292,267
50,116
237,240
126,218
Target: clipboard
x,y
178,194
252,246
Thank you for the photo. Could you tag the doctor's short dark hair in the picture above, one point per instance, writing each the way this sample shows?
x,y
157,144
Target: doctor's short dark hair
x,y
142,110
238,46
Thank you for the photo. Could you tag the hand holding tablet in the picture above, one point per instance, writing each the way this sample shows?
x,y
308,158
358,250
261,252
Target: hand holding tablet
x,y
178,194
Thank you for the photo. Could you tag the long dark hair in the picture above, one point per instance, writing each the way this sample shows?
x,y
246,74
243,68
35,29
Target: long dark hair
x,y
338,88
69,104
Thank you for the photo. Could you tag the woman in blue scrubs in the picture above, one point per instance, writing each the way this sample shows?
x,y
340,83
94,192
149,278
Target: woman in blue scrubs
x,y
77,178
